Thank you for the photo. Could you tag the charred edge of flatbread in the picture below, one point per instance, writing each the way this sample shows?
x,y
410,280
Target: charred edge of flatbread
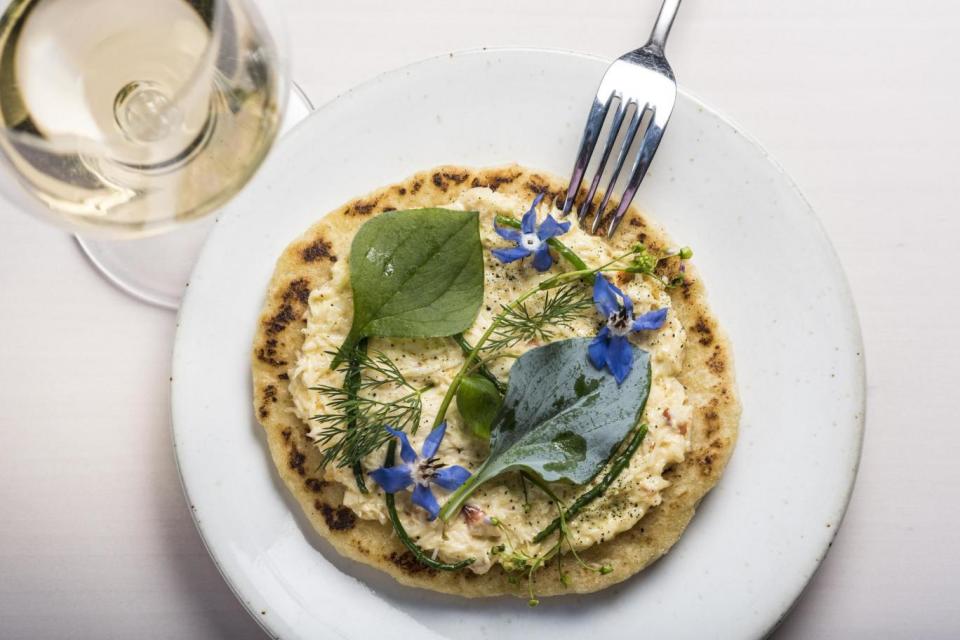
x,y
707,375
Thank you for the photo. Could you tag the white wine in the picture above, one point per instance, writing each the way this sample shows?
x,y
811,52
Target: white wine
x,y
135,115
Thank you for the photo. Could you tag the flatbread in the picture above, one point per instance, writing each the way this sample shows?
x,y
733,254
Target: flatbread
x,y
707,375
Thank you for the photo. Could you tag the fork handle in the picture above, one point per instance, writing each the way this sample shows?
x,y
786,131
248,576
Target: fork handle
x,y
668,11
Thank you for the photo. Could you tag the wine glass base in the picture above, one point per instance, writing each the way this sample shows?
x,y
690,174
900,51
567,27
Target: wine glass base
x,y
156,270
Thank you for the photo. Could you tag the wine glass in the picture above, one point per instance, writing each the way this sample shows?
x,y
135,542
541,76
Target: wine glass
x,y
123,119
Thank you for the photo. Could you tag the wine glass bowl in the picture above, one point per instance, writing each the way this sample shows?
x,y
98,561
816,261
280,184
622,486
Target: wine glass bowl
x,y
142,119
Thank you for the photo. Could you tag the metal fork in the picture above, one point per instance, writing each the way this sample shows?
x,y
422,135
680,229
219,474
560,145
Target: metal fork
x,y
644,80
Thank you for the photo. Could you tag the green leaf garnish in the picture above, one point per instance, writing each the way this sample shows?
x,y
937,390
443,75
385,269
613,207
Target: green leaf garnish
x,y
561,419
415,274
478,402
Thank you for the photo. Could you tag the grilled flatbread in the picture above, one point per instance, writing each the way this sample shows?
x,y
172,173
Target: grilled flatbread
x,y
707,375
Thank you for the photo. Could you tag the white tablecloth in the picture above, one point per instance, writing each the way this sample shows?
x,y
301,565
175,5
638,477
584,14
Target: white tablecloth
x,y
859,100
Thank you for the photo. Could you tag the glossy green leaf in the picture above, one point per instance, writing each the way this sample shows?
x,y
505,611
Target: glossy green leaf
x,y
478,402
415,274
561,418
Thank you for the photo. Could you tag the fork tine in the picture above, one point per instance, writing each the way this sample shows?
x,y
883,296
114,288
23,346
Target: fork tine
x,y
651,140
611,139
621,158
598,113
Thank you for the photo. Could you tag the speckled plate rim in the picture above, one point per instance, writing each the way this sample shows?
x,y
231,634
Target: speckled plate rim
x,y
233,574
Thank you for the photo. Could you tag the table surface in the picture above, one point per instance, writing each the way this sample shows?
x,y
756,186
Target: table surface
x,y
858,100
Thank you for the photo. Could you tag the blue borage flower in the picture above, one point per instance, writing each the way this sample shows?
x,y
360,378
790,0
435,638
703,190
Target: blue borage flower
x,y
531,240
420,471
611,348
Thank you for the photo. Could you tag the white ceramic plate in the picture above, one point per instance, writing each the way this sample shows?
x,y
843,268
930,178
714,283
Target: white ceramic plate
x,y
774,282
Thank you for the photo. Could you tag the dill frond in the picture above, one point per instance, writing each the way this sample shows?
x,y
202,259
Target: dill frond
x,y
522,323
354,426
